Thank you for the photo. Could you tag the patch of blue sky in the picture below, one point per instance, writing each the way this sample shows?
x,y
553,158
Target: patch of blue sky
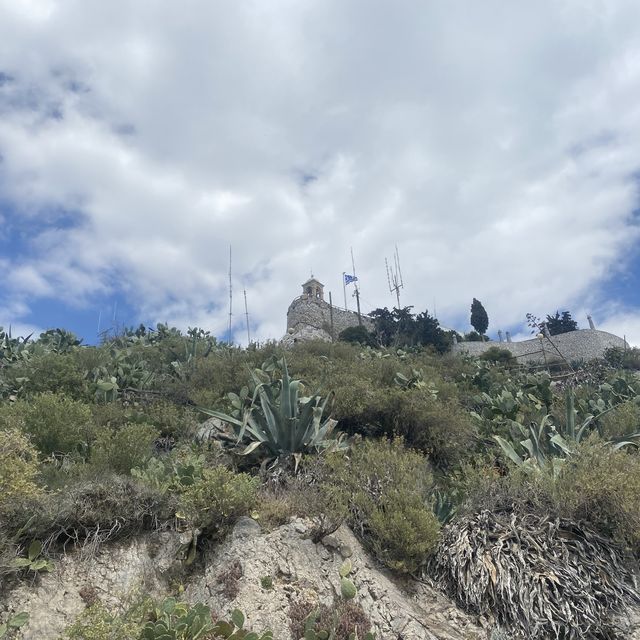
x,y
106,314
624,286
19,232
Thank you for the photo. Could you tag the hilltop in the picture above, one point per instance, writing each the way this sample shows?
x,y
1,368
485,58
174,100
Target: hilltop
x,y
324,490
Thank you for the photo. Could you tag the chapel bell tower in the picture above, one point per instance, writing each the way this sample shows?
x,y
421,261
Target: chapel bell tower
x,y
313,289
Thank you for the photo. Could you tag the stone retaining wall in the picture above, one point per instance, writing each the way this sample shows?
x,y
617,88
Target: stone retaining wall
x,y
583,344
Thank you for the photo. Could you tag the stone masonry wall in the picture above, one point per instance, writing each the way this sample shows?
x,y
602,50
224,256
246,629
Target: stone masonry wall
x,y
310,312
584,344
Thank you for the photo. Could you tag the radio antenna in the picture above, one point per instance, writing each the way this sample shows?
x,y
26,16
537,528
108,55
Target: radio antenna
x,y
394,275
230,298
357,291
246,313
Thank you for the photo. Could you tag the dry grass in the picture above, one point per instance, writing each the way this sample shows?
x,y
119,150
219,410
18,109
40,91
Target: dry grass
x,y
540,577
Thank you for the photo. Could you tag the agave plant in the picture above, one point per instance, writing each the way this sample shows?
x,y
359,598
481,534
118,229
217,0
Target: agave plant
x,y
280,420
546,445
543,444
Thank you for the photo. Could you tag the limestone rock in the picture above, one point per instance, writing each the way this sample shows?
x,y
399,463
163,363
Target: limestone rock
x,y
56,599
293,566
261,573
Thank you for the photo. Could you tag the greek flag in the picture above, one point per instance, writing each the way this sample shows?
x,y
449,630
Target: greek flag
x,y
349,279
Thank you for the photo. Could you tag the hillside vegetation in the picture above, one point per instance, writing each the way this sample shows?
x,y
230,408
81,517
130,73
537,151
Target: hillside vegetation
x,y
516,492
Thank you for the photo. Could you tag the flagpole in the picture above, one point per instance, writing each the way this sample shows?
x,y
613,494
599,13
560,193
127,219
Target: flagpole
x,y
344,288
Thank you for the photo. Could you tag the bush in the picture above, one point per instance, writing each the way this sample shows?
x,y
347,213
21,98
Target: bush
x,y
343,620
440,429
388,489
57,424
218,499
358,335
623,358
496,354
96,622
316,497
124,448
623,420
18,469
52,372
596,485
602,486
172,421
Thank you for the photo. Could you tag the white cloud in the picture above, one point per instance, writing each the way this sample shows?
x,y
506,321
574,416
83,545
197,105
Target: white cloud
x,y
625,325
495,144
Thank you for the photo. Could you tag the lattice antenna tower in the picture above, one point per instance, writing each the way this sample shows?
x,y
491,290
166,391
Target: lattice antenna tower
x,y
394,276
230,299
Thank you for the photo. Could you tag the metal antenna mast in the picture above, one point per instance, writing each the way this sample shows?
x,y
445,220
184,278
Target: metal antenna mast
x,y
246,313
355,284
394,276
230,298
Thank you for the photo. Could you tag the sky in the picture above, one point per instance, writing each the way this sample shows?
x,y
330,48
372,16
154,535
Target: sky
x,y
496,144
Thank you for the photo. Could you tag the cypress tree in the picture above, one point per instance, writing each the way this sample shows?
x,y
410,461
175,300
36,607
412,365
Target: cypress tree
x,y
479,317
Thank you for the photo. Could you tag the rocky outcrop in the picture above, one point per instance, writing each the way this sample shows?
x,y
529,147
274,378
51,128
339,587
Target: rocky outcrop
x,y
261,573
306,313
293,567
257,572
54,600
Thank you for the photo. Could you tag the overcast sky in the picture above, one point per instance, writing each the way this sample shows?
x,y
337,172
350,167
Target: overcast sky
x,y
496,143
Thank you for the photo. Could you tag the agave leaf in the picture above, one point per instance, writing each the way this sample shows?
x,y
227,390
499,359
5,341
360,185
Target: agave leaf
x,y
221,416
509,450
252,447
272,421
583,427
570,413
559,441
285,394
306,423
625,443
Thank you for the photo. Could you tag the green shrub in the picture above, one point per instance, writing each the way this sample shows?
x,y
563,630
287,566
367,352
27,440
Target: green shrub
x,y
602,486
52,372
440,429
218,499
124,448
171,420
274,508
344,620
111,414
220,373
623,420
358,335
388,489
18,469
56,424
148,620
496,354
314,495
96,622
623,358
